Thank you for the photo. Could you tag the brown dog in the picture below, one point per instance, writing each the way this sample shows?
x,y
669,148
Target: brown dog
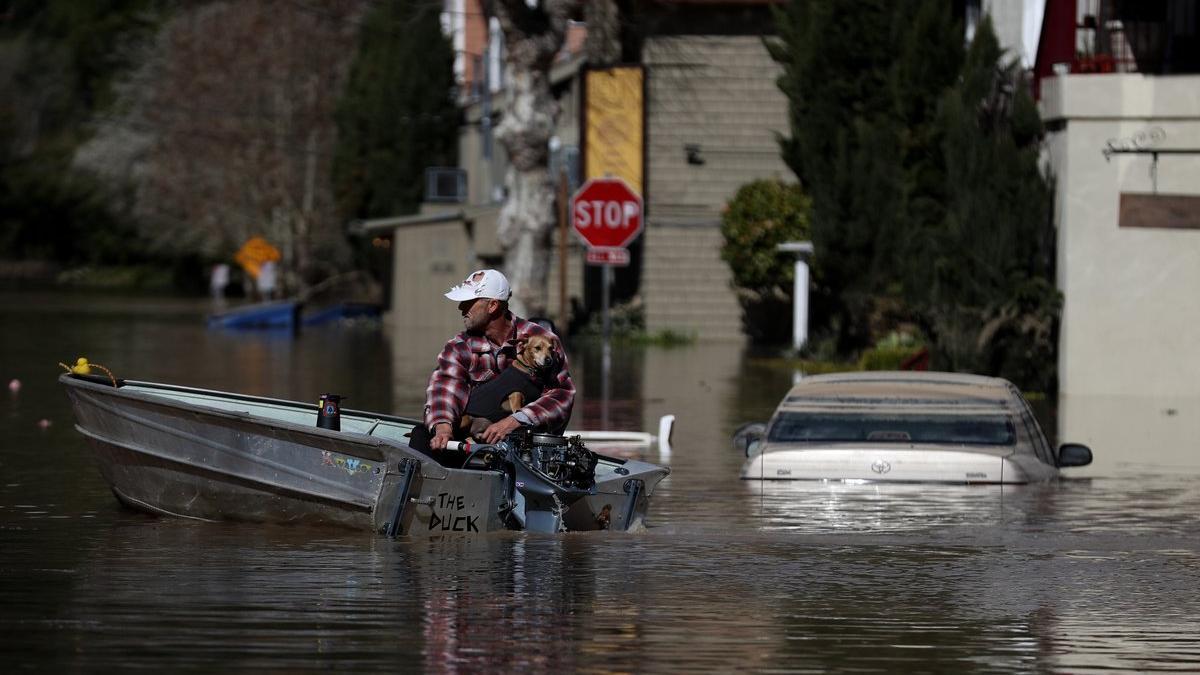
x,y
509,391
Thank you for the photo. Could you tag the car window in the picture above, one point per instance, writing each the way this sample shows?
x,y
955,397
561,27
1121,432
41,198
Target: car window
x,y
803,427
1036,437
1030,435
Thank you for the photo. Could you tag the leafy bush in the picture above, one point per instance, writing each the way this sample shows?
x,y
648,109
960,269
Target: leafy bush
x,y
762,215
627,321
890,352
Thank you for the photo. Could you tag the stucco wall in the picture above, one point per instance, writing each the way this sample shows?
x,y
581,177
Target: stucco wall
x,y
1129,359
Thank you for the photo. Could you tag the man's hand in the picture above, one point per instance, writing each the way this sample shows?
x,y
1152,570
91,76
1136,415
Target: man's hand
x,y
499,430
441,436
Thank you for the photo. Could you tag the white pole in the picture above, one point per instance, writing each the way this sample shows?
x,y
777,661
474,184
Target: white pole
x,y
802,250
800,305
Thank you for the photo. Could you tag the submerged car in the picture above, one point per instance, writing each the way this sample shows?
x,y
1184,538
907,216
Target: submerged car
x,y
904,426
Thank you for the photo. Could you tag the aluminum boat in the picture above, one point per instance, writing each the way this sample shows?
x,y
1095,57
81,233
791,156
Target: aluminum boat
x,y
213,455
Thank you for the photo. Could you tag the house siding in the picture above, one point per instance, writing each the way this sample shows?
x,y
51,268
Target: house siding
x,y
717,92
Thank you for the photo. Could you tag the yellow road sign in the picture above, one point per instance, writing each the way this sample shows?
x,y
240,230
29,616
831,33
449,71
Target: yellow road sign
x,y
254,253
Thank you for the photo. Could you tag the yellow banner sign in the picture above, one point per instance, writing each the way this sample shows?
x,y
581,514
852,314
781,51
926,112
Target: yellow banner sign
x,y
614,115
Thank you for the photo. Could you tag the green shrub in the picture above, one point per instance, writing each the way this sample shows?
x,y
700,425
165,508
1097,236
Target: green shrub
x,y
664,338
762,215
627,321
885,358
624,319
890,352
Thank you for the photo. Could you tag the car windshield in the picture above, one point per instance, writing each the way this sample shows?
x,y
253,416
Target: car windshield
x,y
810,427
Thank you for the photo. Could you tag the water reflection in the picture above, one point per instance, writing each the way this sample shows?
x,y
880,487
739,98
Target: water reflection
x,y
816,507
1083,575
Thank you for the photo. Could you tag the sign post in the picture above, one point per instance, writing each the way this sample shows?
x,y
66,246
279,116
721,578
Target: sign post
x,y
607,214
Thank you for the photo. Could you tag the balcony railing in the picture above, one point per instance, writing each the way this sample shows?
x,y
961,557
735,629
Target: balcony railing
x,y
1128,36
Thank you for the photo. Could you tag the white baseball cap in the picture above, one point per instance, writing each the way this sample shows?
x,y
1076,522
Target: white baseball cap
x,y
481,284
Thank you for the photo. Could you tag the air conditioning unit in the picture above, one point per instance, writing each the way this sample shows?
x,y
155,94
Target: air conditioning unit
x,y
445,184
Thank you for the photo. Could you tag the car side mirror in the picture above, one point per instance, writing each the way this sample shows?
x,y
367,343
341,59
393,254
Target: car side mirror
x,y
748,437
1074,454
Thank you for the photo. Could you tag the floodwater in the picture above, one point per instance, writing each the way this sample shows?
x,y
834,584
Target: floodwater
x,y
1085,575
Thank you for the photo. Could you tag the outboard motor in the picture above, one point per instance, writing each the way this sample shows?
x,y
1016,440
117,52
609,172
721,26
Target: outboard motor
x,y
546,475
552,473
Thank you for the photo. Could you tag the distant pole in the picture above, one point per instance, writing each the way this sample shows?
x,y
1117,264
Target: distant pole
x,y
800,305
802,251
606,350
563,197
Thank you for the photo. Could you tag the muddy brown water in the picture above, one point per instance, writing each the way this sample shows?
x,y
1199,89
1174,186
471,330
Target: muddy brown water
x,y
1090,574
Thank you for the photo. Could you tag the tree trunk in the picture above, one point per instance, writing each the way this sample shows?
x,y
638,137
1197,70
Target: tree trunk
x,y
603,43
533,36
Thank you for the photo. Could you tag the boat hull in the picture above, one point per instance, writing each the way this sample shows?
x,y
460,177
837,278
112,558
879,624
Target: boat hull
x,y
621,498
215,456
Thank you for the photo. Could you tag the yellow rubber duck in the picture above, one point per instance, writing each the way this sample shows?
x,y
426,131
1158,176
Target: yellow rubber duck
x,y
81,367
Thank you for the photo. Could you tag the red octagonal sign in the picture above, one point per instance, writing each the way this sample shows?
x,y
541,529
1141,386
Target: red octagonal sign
x,y
607,213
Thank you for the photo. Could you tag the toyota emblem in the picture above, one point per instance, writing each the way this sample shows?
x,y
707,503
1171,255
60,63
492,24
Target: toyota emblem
x,y
880,466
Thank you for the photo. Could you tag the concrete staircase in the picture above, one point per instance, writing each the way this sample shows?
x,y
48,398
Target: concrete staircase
x,y
686,285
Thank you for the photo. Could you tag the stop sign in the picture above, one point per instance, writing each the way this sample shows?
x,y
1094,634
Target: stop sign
x,y
607,213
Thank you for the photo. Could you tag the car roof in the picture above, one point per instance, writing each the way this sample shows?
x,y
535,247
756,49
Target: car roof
x,y
911,391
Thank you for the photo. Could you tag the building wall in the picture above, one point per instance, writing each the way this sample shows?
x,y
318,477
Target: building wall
x,y
1018,26
428,260
1129,365
718,93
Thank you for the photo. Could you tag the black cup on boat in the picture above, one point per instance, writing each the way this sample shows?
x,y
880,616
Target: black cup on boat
x,y
329,413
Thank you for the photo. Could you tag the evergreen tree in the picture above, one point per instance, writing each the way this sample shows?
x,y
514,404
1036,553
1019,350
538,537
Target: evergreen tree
x,y
928,201
846,147
397,115
929,61
987,294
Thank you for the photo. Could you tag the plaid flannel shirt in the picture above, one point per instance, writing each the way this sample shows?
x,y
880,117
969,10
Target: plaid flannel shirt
x,y
468,361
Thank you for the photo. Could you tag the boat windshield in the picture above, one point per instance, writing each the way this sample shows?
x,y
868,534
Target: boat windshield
x,y
820,427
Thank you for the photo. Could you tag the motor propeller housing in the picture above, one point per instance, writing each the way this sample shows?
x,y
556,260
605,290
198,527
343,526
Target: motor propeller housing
x,y
547,474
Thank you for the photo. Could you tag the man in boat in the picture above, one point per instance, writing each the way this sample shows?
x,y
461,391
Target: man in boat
x,y
487,345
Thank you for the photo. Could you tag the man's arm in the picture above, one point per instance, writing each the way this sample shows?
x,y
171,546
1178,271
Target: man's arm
x,y
552,409
446,395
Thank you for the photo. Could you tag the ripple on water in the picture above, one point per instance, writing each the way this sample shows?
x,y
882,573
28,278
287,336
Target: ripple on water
x,y
730,575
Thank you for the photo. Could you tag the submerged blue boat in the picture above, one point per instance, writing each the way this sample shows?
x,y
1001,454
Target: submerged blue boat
x,y
342,310
290,315
280,315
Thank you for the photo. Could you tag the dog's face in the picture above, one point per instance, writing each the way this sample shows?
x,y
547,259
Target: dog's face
x,y
538,351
